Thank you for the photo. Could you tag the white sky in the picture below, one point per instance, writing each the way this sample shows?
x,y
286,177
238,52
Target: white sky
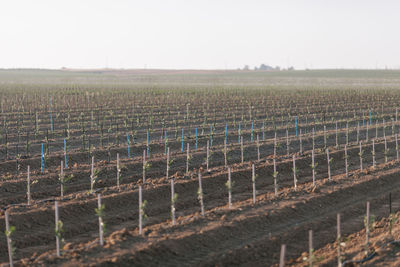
x,y
202,34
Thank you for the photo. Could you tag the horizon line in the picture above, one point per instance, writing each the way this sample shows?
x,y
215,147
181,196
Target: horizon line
x,y
191,69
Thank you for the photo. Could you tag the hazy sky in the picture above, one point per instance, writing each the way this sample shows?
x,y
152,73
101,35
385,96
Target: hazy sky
x,y
199,34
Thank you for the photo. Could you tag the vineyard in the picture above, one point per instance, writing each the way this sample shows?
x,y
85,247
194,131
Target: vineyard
x,y
199,168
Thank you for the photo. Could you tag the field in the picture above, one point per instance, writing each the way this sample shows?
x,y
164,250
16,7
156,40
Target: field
x,y
108,133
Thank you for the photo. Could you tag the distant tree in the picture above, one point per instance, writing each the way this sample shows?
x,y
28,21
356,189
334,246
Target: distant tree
x,y
246,67
266,67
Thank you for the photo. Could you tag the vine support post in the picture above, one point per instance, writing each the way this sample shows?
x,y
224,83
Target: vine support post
x,y
225,155
57,228
9,246
200,195
140,211
310,248
361,159
367,222
329,165
373,154
118,171
287,142
187,159
338,239
301,142
282,256
144,166
275,179
313,166
62,179
101,233
197,141
172,201
208,154
28,180
167,163
253,179
65,154
337,138
397,147
313,139
241,149
42,161
294,173
386,150
275,145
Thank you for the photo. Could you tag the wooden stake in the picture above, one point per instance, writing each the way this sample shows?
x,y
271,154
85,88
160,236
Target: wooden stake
x,y
329,164
313,139
187,159
208,153
361,160
92,175
275,178
62,179
367,230
338,240
172,201
253,179
144,166
294,173
287,142
384,128
397,147
275,146
373,154
386,150
167,163
230,188
101,239
313,166
310,247
258,148
225,154
118,171
9,246
28,180
241,148
301,143
200,195
337,143
140,210
57,229
282,256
